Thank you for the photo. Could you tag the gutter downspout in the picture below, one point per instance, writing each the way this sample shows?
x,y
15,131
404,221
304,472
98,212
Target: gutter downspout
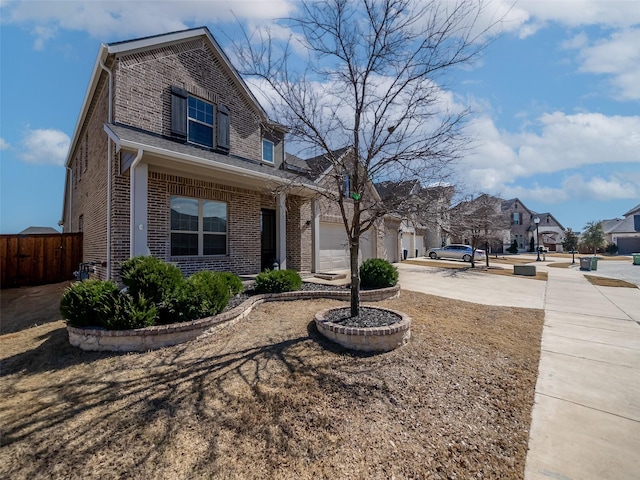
x,y
70,186
109,160
132,225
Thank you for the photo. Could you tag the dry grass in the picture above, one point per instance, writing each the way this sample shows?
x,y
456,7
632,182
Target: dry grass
x,y
480,267
269,398
609,282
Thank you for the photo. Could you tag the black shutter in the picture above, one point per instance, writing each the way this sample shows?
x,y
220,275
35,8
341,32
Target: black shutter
x,y
179,111
223,136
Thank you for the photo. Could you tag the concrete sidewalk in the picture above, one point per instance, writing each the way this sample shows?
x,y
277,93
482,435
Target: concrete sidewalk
x,y
586,415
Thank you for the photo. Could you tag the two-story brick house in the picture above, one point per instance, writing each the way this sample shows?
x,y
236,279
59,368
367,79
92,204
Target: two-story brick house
x,y
173,156
549,232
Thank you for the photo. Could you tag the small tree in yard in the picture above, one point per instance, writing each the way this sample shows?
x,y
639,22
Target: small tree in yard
x,y
372,79
593,236
570,242
480,219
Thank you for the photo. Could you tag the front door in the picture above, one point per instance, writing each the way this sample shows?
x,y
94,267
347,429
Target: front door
x,y
268,237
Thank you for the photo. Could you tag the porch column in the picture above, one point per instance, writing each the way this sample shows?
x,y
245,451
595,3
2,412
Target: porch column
x,y
138,186
281,230
315,236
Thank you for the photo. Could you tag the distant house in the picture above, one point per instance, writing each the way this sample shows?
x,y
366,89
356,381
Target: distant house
x,y
39,231
523,227
624,232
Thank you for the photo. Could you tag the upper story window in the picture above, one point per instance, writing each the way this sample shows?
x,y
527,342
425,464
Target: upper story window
x,y
200,122
267,150
346,186
516,218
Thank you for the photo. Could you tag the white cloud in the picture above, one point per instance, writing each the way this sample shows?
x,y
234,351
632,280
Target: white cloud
x,y
564,143
45,147
3,144
116,19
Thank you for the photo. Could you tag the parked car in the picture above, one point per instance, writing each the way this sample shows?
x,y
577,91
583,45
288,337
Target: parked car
x,y
456,252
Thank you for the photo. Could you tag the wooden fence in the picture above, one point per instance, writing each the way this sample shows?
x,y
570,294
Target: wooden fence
x,y
38,259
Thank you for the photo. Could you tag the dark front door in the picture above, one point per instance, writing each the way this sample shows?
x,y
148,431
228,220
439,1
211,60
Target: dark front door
x,y
268,235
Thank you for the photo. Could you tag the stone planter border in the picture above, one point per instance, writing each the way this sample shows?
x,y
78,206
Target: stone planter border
x,y
369,339
150,338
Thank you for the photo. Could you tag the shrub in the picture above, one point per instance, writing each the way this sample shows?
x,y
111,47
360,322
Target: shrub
x,y
203,294
90,303
378,273
151,278
278,281
133,313
514,247
232,281
611,249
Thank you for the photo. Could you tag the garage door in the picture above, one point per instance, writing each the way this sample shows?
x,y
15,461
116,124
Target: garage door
x,y
334,247
391,245
419,245
627,245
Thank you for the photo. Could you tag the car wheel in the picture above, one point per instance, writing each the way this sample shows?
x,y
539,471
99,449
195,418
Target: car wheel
x,y
467,258
433,255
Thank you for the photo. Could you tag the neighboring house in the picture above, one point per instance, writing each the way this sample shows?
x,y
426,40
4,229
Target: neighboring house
x,y
481,223
624,232
405,236
331,247
523,227
39,231
173,156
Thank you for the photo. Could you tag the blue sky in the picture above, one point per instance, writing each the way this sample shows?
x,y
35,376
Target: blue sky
x,y
556,97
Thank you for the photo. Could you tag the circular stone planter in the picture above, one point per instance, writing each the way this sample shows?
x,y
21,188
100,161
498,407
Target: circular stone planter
x,y
367,339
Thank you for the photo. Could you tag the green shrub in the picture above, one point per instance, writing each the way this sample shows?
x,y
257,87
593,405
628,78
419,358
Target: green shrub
x,y
151,278
202,295
133,313
90,303
232,281
514,247
278,281
611,249
378,273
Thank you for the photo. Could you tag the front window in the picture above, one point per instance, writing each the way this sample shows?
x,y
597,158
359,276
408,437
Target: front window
x,y
200,122
267,151
198,227
516,218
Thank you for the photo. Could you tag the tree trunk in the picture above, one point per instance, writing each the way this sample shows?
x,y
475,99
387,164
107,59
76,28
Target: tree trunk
x,y
355,279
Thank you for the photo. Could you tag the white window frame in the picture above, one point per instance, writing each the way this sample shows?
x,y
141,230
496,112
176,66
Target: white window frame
x,y
273,151
200,232
190,119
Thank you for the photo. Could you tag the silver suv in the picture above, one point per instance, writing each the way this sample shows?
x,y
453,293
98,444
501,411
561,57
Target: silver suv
x,y
455,252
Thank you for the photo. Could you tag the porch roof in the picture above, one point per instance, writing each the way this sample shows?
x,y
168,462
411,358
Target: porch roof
x,y
132,139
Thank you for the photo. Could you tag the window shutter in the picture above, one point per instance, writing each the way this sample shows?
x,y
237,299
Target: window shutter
x,y
223,135
179,111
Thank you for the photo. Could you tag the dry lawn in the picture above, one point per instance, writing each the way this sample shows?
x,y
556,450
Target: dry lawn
x,y
480,267
609,282
269,398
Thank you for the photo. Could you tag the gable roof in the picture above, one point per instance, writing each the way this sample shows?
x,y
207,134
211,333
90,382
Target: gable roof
x,y
403,188
619,225
321,164
634,211
39,231
109,51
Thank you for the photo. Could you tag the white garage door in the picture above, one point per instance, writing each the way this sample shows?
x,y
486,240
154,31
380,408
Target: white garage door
x,y
419,245
391,245
334,247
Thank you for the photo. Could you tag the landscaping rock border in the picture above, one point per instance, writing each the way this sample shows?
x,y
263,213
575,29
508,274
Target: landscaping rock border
x,y
367,339
151,338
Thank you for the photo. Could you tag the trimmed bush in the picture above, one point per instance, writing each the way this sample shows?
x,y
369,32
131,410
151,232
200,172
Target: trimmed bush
x,y
278,281
92,303
611,249
514,247
151,278
232,281
133,313
378,273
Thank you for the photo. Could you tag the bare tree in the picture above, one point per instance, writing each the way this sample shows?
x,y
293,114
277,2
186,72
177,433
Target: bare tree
x,y
481,220
374,80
